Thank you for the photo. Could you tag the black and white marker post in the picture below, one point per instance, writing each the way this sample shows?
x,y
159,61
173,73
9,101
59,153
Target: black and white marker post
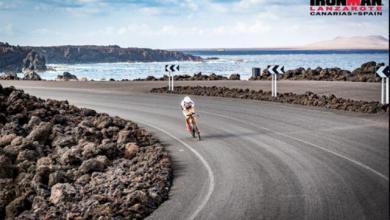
x,y
171,69
384,73
275,71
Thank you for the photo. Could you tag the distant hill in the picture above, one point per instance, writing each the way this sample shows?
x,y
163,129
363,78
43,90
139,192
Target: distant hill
x,y
373,42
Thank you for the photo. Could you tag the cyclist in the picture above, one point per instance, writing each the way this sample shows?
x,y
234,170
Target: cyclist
x,y
187,107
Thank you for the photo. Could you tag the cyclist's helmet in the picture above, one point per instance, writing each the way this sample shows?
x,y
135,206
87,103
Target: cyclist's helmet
x,y
187,102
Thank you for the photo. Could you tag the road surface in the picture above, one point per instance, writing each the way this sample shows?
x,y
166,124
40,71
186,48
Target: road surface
x,y
258,160
350,90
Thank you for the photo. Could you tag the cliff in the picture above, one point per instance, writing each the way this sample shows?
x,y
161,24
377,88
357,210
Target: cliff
x,y
17,59
102,54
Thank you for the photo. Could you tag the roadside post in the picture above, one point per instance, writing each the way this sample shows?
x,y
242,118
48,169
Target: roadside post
x,y
272,84
275,71
256,72
384,73
171,69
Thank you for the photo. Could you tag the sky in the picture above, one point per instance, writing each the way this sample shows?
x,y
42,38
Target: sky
x,y
172,24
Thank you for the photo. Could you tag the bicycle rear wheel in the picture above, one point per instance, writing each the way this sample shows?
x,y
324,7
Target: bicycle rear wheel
x,y
196,130
193,131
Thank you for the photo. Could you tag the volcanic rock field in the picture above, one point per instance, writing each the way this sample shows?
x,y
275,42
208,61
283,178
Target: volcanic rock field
x,y
58,161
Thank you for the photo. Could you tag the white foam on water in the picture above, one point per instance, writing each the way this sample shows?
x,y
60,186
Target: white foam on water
x,y
225,65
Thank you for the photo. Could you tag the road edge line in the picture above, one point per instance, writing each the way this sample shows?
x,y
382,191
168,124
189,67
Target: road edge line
x,y
205,163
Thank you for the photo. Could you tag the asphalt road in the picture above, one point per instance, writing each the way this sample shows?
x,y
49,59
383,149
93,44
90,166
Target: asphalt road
x,y
259,160
351,90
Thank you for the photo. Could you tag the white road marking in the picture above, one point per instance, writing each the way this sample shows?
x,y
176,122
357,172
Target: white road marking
x,y
208,168
308,143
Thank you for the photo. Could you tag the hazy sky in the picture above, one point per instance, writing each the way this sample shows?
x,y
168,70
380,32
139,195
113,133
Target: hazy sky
x,y
176,23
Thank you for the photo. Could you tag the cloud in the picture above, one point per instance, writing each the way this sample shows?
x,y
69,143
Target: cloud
x,y
240,28
8,5
174,23
151,11
7,30
85,11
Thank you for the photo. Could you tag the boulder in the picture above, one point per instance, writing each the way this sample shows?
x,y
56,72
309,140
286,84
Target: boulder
x,y
64,141
16,207
97,164
88,112
27,155
103,121
57,177
234,77
34,121
150,78
9,76
6,139
89,150
31,76
41,132
66,76
123,136
44,162
6,168
70,157
130,150
61,192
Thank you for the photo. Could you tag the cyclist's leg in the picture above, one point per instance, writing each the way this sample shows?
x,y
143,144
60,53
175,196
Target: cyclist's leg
x,y
194,122
188,124
187,120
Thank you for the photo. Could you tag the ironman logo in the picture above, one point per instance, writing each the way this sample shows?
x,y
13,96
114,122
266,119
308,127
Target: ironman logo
x,y
346,7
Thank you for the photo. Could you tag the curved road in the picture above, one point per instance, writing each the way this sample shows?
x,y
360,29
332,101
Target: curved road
x,y
259,160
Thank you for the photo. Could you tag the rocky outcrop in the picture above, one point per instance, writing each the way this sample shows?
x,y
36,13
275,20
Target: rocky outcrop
x,y
58,161
309,98
66,76
31,76
14,59
197,76
234,77
107,54
9,76
34,62
365,73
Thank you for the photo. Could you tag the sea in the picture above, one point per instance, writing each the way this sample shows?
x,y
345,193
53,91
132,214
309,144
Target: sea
x,y
224,62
